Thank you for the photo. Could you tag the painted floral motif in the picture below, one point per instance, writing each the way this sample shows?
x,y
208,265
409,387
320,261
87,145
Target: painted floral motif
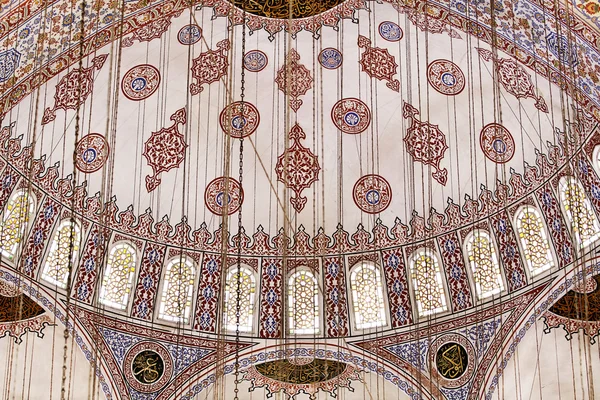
x,y
189,34
330,58
140,82
351,115
378,63
426,143
214,196
91,153
298,168
514,78
210,66
165,149
239,119
372,194
445,77
255,60
9,61
562,49
390,31
152,30
294,79
73,89
497,143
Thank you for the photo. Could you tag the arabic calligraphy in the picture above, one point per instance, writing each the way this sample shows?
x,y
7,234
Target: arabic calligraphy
x,y
282,9
317,370
148,367
451,360
579,306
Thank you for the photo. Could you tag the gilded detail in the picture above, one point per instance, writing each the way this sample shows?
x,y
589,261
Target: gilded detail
x,y
451,360
284,9
148,367
580,306
317,370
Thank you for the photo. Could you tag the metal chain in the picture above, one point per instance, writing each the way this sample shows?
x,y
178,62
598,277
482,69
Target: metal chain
x,y
238,290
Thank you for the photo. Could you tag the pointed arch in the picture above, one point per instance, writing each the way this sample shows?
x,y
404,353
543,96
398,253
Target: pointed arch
x,y
367,296
244,277
117,281
578,209
17,214
534,240
303,303
178,286
429,291
483,261
63,253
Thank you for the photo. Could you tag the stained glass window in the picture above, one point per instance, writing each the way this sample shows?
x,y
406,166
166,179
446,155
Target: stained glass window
x,y
118,276
532,234
63,254
428,285
247,286
484,264
580,213
367,296
18,212
303,303
178,285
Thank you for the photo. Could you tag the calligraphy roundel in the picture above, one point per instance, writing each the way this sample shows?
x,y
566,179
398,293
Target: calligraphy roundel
x,y
330,58
372,194
255,61
216,197
148,367
140,82
497,143
351,115
452,360
239,119
91,153
189,34
445,77
390,31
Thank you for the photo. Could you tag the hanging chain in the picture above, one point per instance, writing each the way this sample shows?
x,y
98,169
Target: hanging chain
x,y
238,275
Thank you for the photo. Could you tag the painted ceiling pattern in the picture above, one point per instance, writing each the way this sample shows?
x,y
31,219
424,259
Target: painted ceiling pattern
x,y
324,131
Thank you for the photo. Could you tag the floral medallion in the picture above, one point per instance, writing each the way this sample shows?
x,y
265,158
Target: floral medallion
x,y
255,61
378,63
189,34
140,82
294,79
298,168
330,58
147,367
351,115
445,77
239,119
220,189
497,143
209,66
390,31
372,194
91,153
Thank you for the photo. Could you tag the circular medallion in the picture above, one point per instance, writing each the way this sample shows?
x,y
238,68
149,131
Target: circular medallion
x,y
239,119
446,77
330,58
390,31
91,152
255,61
140,82
147,367
351,115
215,197
452,359
189,34
372,194
497,143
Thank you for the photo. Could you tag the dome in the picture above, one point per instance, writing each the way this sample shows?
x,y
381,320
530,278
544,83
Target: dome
x,y
304,199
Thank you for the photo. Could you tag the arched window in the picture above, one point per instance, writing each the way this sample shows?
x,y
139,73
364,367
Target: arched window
x,y
244,278
178,286
66,243
484,264
118,276
580,213
19,211
303,303
367,296
534,241
428,285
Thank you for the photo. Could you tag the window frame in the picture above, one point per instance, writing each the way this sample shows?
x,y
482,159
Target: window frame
x,y
413,285
290,301
32,205
384,311
545,231
132,277
471,273
185,319
75,257
253,300
579,245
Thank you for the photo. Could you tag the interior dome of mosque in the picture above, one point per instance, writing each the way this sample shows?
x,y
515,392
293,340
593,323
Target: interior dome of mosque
x,y
238,199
